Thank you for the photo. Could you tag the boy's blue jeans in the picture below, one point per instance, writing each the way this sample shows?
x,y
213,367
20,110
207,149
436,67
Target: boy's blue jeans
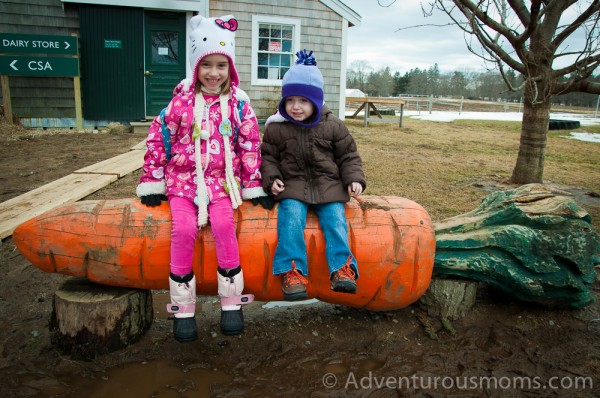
x,y
291,246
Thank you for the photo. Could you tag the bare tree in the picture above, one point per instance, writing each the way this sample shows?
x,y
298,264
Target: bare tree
x,y
381,83
552,44
359,73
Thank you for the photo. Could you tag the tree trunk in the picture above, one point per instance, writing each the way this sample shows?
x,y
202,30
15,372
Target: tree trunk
x,y
534,129
90,319
449,298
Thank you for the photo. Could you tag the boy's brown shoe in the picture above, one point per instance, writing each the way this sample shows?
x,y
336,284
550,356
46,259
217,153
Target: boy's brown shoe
x,y
343,280
293,285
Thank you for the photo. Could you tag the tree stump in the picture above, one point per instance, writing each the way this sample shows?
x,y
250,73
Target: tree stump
x,y
89,319
449,298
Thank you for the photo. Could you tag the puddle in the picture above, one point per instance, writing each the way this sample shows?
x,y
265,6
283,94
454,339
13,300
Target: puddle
x,y
163,378
339,366
158,379
370,365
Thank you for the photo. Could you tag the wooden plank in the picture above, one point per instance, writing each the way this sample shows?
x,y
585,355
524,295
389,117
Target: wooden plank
x,y
372,105
358,110
119,166
33,203
140,145
78,112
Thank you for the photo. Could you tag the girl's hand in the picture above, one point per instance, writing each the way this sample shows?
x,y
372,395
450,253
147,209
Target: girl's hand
x,y
277,187
355,189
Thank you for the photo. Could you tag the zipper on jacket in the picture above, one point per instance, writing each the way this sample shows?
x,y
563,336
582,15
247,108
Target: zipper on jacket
x,y
309,169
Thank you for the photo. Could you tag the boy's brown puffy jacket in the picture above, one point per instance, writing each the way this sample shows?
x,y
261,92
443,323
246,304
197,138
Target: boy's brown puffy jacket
x,y
316,164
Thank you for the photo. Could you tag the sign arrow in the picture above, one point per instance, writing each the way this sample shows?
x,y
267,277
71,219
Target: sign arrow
x,y
38,65
67,45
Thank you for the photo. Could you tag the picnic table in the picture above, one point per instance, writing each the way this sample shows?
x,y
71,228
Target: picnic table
x,y
368,104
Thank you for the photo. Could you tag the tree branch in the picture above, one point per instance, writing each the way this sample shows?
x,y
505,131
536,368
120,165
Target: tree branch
x,y
521,10
426,25
491,46
584,86
531,24
560,38
475,10
590,62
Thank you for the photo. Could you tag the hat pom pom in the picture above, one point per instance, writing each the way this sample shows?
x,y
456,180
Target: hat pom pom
x,y
305,58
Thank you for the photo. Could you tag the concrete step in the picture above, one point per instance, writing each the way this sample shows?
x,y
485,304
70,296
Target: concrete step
x,y
139,127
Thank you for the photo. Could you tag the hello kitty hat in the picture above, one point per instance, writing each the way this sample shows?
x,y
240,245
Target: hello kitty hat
x,y
213,36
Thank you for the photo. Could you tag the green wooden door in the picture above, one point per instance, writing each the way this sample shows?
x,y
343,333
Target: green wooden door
x,y
111,62
165,57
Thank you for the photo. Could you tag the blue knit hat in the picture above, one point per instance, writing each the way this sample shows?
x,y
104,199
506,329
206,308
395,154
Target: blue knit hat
x,y
303,79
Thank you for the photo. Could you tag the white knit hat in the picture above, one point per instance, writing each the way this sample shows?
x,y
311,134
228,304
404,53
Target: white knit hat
x,y
213,36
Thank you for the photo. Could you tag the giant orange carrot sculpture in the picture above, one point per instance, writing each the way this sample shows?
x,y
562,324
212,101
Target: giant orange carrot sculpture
x,y
124,243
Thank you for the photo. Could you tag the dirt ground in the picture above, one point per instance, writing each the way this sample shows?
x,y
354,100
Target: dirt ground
x,y
502,348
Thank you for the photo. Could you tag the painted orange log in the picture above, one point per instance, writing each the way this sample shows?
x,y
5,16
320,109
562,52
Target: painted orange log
x,y
124,243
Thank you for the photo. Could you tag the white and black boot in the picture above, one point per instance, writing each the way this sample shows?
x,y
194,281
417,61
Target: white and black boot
x,y
183,306
230,288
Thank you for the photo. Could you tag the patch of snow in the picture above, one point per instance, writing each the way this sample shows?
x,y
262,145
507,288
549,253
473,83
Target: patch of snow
x,y
441,116
583,136
584,119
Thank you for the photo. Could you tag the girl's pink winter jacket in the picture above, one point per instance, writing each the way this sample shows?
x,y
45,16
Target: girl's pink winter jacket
x,y
177,177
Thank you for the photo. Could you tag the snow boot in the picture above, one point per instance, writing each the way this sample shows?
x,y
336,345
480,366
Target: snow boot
x,y
183,306
230,287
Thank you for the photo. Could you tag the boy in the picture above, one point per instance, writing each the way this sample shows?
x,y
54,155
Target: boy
x,y
310,159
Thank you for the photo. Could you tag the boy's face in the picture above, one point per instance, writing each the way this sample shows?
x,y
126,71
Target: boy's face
x,y
299,108
213,71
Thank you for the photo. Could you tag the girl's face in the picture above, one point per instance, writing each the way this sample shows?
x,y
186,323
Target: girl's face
x,y
213,71
299,108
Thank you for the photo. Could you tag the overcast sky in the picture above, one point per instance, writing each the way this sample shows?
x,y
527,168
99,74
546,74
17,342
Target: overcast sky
x,y
378,41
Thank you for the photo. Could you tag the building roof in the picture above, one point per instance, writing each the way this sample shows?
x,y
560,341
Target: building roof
x,y
344,11
337,6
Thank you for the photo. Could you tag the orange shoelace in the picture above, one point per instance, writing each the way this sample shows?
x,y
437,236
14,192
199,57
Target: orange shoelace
x,y
346,272
294,277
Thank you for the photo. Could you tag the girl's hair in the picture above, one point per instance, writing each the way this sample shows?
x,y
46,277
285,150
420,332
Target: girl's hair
x,y
227,85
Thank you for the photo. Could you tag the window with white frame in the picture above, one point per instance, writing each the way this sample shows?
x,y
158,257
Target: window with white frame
x,y
275,40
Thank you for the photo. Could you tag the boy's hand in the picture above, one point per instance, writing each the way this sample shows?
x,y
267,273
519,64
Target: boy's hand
x,y
277,187
355,189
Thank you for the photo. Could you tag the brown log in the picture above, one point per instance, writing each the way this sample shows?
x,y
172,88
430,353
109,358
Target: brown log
x,y
89,319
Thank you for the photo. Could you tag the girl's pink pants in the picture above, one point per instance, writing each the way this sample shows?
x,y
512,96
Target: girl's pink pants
x,y
184,214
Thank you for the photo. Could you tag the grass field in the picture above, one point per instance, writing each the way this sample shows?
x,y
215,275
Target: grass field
x,y
448,167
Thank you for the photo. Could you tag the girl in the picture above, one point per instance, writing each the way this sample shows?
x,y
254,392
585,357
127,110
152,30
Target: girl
x,y
212,164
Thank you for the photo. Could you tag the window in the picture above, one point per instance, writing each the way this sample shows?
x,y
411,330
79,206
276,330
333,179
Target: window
x,y
164,48
274,44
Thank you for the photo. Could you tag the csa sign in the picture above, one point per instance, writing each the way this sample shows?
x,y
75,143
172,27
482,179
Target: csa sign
x,y
38,66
